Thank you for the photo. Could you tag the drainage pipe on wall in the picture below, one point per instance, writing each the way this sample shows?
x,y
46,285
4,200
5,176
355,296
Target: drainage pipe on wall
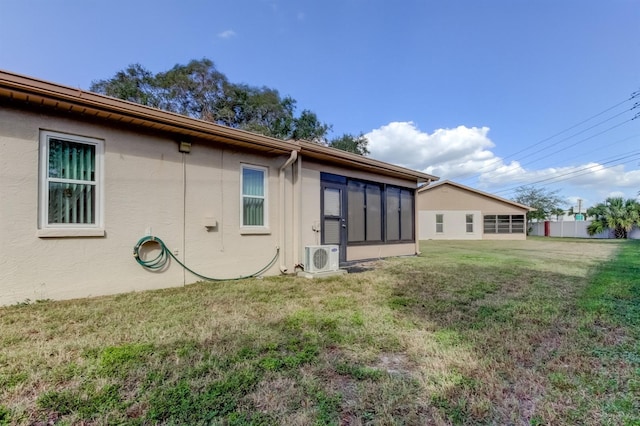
x,y
298,215
281,215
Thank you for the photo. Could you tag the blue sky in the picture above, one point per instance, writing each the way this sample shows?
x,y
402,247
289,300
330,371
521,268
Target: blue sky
x,y
468,90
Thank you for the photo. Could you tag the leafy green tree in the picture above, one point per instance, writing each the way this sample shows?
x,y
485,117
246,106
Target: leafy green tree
x,y
347,142
199,90
135,84
308,127
196,89
262,110
542,200
257,109
616,214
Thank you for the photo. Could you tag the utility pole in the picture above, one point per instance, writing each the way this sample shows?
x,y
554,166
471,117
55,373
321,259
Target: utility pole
x,y
579,215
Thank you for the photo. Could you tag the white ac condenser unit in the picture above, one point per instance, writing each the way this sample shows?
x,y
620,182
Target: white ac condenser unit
x,y
321,258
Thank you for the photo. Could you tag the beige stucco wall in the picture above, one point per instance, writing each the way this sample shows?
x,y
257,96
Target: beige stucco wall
x,y
455,203
380,251
310,223
152,188
448,197
148,189
454,225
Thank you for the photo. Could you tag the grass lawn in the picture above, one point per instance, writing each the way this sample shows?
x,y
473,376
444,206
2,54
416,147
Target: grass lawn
x,y
543,331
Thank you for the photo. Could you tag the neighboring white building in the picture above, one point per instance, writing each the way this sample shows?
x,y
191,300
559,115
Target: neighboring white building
x,y
451,211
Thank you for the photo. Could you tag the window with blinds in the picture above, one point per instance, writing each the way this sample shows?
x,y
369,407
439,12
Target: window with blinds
x,y
439,223
254,196
70,181
469,223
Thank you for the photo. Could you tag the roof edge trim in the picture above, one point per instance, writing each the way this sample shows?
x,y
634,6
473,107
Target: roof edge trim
x,y
477,191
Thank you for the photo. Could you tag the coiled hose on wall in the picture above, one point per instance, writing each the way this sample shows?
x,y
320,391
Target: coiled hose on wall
x,y
162,258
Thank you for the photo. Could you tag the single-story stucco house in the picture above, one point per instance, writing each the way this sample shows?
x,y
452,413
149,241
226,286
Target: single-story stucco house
x,y
83,177
451,211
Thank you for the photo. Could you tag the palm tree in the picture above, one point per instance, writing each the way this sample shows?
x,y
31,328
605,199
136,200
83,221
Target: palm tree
x,y
616,214
557,212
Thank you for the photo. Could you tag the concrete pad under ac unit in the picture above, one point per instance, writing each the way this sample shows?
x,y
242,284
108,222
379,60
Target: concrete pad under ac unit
x,y
324,274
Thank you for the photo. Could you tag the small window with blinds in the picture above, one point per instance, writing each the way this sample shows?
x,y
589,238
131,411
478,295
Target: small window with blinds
x,y
71,185
440,223
254,197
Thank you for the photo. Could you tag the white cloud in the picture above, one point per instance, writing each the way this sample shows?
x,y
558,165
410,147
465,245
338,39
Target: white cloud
x,y
591,177
592,181
616,194
463,149
227,34
466,152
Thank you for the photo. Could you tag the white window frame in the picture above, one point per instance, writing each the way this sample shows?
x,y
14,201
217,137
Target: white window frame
x,y
440,225
467,223
255,229
46,229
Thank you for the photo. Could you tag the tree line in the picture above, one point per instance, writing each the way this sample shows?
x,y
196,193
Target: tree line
x,y
199,90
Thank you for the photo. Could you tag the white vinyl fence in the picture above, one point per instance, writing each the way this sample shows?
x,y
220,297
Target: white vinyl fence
x,y
573,229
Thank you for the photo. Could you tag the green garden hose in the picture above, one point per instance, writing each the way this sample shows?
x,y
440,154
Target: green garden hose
x,y
161,260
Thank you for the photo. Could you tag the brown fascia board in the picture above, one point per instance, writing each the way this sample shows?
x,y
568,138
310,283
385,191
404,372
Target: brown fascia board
x,y
477,191
355,161
37,92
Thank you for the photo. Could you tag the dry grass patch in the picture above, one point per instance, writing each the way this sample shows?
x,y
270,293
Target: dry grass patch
x,y
526,332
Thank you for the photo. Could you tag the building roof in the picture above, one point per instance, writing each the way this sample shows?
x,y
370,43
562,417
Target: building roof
x,y
426,188
35,93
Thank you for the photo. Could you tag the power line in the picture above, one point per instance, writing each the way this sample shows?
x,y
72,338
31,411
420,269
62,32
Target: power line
x,y
576,143
561,150
609,145
561,177
502,159
581,132
633,95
